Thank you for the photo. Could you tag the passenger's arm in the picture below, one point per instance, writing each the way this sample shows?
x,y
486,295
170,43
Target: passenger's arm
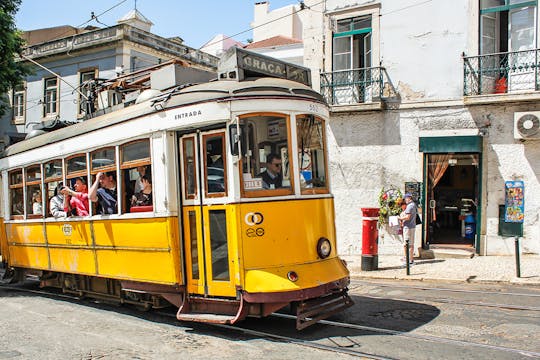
x,y
92,192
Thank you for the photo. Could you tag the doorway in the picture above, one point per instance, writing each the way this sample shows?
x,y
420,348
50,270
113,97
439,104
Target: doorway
x,y
452,198
206,217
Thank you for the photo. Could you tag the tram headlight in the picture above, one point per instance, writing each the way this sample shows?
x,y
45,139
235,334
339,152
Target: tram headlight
x,y
324,248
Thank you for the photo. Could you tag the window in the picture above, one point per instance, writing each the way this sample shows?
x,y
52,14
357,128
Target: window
x,y
508,31
89,105
34,195
16,194
18,104
311,154
136,166
214,167
50,98
77,180
266,170
351,61
103,162
190,178
53,184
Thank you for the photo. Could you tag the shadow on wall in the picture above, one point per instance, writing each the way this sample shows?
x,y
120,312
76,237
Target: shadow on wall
x,y
366,128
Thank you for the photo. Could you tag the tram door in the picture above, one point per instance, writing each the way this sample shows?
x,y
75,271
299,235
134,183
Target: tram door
x,y
207,238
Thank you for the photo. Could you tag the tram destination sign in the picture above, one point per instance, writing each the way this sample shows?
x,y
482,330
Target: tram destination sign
x,y
249,64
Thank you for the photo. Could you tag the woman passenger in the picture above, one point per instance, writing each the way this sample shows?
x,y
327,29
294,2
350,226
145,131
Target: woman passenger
x,y
56,204
37,207
76,201
143,197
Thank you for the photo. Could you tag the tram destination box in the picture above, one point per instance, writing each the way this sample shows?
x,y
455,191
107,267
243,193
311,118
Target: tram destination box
x,y
240,64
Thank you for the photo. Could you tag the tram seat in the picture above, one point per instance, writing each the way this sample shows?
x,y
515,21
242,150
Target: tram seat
x,y
146,208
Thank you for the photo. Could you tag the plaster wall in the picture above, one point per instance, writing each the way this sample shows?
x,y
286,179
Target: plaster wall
x,y
371,150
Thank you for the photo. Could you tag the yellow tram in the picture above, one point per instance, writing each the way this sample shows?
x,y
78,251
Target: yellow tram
x,y
218,239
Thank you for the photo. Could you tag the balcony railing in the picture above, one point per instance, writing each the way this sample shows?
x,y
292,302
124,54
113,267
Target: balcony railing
x,y
356,86
501,73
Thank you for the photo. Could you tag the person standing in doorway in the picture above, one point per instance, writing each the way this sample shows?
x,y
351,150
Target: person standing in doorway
x,y
408,222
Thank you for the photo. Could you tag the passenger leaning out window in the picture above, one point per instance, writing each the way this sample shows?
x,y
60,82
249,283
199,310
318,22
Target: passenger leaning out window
x,y
76,200
104,192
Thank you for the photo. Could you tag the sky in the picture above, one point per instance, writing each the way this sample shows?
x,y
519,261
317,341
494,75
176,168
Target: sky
x,y
194,21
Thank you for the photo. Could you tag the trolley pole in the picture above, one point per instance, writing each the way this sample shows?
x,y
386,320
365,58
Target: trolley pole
x,y
407,257
518,262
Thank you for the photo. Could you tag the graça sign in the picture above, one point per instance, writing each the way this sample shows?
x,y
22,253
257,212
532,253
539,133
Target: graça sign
x,y
250,64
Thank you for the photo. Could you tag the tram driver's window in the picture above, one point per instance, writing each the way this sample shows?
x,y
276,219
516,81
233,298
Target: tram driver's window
x,y
34,195
16,194
136,177
265,145
311,154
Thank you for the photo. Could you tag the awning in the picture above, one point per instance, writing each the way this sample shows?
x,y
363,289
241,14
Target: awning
x,y
451,144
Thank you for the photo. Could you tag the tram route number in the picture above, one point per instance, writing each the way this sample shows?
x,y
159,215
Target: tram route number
x,y
255,232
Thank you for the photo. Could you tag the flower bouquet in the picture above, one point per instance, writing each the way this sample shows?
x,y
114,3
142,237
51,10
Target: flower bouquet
x,y
389,203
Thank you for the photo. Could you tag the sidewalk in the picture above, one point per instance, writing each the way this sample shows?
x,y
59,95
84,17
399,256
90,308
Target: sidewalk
x,y
485,269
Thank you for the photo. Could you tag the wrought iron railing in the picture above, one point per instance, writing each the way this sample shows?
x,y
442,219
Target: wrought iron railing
x,y
501,72
356,86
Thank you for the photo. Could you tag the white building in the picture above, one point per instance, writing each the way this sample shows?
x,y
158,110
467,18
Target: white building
x,y
431,94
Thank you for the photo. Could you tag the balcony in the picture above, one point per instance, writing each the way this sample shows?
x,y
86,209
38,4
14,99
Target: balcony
x,y
351,87
501,73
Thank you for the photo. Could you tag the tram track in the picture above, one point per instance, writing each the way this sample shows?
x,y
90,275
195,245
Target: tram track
x,y
242,328
447,300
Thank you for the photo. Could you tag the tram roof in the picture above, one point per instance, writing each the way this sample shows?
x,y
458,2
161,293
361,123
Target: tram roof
x,y
177,97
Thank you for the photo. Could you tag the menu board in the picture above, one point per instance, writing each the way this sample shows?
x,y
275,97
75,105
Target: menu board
x,y
514,203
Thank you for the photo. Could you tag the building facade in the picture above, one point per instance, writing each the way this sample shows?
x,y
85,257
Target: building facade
x,y
66,58
438,98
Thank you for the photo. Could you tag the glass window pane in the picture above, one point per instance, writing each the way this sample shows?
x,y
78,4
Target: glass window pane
x,y
15,177
34,204
103,158
265,163
55,207
17,202
218,242
361,23
136,151
189,168
53,169
343,25
192,218
137,189
342,45
311,152
33,173
342,62
486,4
215,173
77,163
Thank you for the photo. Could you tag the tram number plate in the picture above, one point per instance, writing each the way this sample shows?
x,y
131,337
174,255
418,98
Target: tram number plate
x,y
255,232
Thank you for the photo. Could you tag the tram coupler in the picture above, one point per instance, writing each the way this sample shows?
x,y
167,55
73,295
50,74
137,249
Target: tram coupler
x,y
311,311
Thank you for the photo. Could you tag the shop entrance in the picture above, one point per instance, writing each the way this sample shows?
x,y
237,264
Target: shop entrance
x,y
452,198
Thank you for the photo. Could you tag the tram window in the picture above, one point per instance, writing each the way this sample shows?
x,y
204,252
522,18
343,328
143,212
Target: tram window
x,y
266,170
103,158
105,195
34,195
311,154
16,194
215,174
53,178
190,180
136,177
76,169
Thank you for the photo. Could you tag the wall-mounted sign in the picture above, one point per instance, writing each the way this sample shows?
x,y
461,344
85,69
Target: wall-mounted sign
x,y
514,202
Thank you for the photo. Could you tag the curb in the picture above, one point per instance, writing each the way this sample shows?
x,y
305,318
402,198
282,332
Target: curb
x,y
453,281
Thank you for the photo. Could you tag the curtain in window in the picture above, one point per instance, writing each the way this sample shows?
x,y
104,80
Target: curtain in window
x,y
437,166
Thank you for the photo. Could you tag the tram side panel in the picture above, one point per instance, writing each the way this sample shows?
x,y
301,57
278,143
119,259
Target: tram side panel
x,y
282,236
144,250
70,247
27,246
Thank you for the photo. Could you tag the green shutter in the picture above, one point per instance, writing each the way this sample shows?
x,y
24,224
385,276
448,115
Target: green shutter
x,y
451,144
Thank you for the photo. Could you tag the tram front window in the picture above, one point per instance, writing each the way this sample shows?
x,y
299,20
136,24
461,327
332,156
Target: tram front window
x,y
265,158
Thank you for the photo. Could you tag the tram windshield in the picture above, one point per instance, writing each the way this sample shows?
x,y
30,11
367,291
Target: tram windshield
x,y
265,159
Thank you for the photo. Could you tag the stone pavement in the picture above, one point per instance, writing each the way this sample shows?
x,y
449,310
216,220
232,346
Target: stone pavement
x,y
484,269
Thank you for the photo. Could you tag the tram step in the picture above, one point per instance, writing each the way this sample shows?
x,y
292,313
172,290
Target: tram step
x,y
207,318
311,311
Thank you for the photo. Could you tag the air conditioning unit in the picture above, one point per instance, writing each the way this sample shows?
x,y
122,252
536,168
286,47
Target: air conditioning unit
x,y
527,125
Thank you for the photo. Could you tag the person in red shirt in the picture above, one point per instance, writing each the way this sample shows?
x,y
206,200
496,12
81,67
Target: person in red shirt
x,y
76,201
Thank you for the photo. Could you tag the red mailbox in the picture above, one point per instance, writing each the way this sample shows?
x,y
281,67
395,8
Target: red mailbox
x,y
370,237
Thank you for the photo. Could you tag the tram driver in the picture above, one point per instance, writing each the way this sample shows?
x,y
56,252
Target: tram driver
x,y
272,178
103,191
